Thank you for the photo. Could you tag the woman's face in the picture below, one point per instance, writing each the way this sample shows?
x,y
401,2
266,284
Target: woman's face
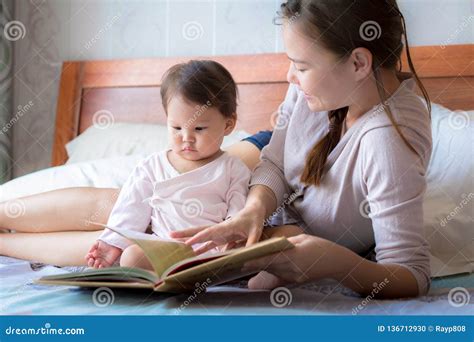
x,y
326,80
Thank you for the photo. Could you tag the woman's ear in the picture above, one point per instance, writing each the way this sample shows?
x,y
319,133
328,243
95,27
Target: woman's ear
x,y
230,124
361,59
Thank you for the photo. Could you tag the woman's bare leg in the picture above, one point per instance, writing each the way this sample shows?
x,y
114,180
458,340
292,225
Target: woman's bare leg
x,y
69,209
133,256
56,248
53,227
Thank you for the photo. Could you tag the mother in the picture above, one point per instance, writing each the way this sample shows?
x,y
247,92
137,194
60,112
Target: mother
x,y
352,135
355,135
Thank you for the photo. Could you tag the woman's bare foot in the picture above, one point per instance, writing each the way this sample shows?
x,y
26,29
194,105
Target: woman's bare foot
x,y
133,256
102,255
265,280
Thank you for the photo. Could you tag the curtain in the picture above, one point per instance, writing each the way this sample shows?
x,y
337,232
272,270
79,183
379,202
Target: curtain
x,y
7,37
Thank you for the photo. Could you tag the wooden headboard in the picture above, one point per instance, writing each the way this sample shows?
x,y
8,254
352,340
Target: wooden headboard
x,y
130,89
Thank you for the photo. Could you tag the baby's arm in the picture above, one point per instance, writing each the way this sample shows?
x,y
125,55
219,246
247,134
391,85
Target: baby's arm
x,y
238,188
131,212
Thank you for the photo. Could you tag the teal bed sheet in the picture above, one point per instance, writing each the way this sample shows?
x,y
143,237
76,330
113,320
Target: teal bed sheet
x,y
19,296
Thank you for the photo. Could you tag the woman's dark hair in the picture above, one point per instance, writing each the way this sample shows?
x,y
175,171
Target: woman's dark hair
x,y
341,26
203,82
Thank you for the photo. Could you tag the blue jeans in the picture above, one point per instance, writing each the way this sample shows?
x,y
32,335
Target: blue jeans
x,y
260,139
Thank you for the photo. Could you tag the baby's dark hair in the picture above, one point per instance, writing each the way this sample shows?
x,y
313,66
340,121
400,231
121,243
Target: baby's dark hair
x,y
203,82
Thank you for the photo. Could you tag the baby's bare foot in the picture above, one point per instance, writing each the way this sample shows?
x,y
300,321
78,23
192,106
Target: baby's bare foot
x,y
102,255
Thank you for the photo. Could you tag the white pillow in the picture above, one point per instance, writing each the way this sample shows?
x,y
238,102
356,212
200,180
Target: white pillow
x,y
101,173
124,139
449,199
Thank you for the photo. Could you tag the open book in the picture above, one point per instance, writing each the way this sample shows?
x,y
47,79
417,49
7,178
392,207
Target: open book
x,y
176,267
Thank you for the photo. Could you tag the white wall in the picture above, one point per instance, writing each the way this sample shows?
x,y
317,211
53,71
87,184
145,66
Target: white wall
x,y
443,22
58,30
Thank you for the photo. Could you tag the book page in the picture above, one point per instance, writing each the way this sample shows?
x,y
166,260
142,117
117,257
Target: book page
x,y
161,253
107,273
222,269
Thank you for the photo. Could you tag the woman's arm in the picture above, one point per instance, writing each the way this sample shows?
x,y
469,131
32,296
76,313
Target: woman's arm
x,y
395,181
315,258
390,280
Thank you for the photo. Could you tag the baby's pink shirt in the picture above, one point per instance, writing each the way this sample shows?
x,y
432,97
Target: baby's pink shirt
x,y
156,192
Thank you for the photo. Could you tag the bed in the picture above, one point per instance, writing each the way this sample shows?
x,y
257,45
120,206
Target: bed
x,y
128,92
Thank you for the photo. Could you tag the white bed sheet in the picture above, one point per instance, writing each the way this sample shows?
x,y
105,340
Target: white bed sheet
x,y
19,296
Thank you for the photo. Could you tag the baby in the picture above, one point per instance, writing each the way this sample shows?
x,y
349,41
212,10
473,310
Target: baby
x,y
193,183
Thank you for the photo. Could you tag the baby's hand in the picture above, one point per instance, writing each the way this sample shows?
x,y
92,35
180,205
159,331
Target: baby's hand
x,y
102,255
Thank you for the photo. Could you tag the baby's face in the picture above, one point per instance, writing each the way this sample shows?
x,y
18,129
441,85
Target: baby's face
x,y
196,131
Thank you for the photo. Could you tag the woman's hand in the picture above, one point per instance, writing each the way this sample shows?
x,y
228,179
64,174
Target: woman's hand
x,y
312,258
245,226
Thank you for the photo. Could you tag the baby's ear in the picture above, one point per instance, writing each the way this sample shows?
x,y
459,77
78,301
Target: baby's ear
x,y
230,124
